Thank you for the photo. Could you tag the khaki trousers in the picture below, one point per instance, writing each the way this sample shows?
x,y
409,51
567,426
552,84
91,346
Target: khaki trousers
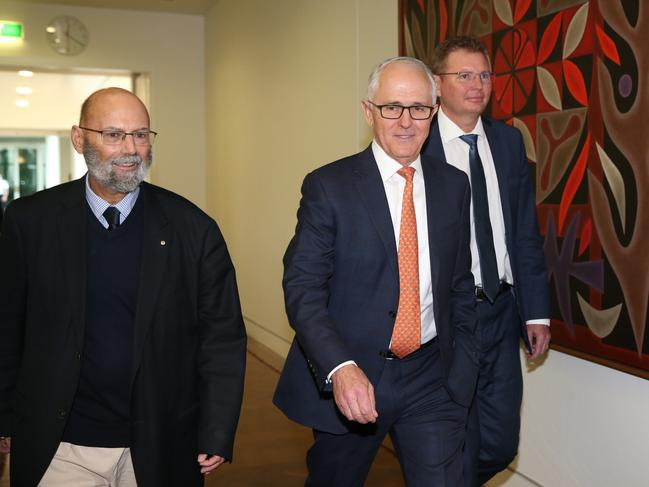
x,y
86,466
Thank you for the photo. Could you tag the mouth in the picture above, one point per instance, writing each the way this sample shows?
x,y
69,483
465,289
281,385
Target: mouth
x,y
129,164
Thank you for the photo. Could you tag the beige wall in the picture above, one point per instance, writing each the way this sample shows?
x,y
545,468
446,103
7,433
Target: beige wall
x,y
284,84
168,47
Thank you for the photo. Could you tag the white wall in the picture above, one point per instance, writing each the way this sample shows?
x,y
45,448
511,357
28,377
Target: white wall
x,y
169,47
584,425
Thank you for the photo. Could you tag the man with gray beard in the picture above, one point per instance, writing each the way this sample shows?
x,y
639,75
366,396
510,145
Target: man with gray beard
x,y
123,347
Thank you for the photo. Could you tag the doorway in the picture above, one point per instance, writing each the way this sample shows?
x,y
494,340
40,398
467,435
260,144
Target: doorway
x,y
38,108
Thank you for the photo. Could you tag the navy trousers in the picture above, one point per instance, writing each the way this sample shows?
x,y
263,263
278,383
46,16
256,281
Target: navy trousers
x,y
427,429
494,417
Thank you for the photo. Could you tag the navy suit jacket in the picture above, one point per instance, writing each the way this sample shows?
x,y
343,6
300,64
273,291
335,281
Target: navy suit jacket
x,y
524,244
341,284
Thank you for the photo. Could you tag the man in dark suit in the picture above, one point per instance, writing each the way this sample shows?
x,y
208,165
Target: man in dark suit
x,y
123,347
378,288
508,263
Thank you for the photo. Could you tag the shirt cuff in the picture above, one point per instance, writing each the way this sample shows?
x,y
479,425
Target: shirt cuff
x,y
349,362
540,321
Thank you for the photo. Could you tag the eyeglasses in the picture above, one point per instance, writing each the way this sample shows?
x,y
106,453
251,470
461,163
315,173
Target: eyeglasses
x,y
117,137
468,76
392,112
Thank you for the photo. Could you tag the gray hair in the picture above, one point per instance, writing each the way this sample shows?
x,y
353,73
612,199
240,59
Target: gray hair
x,y
373,81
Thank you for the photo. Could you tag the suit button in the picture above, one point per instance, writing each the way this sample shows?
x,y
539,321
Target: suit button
x,y
78,356
61,413
392,314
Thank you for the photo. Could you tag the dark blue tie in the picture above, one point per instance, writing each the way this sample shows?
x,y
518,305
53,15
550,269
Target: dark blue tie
x,y
483,233
112,217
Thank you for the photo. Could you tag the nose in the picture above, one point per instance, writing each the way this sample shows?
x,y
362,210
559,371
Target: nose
x,y
128,145
405,120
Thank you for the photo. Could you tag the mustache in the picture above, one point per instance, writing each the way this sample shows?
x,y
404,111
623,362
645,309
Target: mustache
x,y
125,160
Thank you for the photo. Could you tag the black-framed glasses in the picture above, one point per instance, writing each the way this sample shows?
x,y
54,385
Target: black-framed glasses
x,y
468,76
392,112
117,137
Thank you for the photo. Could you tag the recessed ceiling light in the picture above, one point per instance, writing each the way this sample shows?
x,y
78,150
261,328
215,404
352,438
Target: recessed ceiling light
x,y
24,90
22,103
51,29
25,73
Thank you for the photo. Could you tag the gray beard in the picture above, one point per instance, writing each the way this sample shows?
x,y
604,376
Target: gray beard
x,y
103,173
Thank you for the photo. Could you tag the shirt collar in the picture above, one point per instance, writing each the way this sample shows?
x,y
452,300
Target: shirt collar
x,y
388,166
99,205
448,130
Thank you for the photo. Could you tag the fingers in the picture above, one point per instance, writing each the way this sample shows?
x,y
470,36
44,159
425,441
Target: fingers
x,y
209,463
5,445
539,336
354,395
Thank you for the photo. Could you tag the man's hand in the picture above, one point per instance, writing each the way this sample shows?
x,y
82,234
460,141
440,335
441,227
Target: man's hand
x,y
539,336
5,445
354,394
209,463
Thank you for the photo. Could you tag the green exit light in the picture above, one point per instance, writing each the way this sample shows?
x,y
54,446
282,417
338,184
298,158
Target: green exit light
x,y
11,30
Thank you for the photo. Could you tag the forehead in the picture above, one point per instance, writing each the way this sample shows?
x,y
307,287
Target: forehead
x,y
462,58
119,110
403,81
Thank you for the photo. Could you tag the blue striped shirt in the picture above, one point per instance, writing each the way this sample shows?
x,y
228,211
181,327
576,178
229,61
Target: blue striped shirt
x,y
99,205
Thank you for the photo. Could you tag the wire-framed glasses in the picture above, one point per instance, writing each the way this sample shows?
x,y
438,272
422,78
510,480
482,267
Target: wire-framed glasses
x,y
117,137
469,76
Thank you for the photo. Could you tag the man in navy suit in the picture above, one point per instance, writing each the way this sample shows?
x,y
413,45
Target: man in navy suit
x,y
508,263
346,285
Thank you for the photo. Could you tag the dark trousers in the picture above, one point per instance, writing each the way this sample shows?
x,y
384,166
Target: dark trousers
x,y
494,417
427,429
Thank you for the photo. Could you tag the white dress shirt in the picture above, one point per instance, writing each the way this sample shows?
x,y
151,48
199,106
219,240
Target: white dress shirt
x,y
456,152
394,185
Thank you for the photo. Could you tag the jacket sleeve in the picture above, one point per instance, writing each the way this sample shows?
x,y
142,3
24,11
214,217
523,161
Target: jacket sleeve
x,y
221,356
12,315
531,280
308,269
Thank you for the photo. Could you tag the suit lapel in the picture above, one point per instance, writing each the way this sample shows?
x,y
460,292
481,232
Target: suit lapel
x,y
367,180
156,243
71,225
501,163
435,202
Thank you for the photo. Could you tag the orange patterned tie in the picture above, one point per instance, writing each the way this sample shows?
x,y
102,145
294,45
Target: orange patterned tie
x,y
406,336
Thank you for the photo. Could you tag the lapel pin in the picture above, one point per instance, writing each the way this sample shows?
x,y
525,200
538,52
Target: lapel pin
x,y
163,242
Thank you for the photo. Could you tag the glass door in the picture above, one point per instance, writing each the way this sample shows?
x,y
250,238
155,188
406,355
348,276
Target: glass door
x,y
22,165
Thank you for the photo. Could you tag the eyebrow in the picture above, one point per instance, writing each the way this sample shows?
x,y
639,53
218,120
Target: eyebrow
x,y
118,129
417,103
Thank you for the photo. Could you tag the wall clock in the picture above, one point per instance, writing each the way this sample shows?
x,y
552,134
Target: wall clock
x,y
67,35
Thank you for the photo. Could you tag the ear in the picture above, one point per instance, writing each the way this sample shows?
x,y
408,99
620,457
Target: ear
x,y
367,110
77,138
438,80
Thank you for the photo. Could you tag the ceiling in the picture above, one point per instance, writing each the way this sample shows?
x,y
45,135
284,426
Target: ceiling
x,y
196,7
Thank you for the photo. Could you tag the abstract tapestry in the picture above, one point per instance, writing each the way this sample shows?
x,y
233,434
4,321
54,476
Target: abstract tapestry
x,y
572,76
